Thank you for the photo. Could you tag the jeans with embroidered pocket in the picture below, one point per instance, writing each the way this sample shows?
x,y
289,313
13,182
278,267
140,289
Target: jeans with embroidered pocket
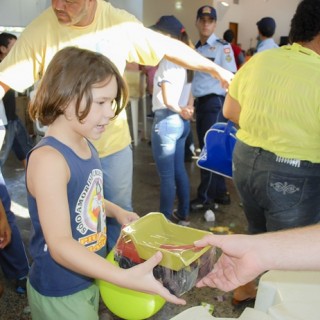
x,y
276,193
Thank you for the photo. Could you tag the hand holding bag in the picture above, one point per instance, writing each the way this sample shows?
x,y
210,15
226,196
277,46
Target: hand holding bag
x,y
216,155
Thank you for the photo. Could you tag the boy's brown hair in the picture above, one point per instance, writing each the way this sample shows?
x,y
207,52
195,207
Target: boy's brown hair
x,y
70,76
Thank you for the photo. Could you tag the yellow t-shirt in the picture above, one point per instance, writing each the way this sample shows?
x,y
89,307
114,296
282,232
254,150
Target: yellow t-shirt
x,y
114,33
278,91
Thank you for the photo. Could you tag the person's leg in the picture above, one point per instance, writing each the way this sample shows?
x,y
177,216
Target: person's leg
x,y
189,147
218,189
2,132
212,186
7,142
13,259
245,181
243,162
117,187
167,128
181,175
22,142
204,122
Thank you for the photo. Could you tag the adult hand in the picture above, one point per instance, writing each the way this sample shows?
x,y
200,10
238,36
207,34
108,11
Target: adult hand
x,y
223,75
238,264
187,112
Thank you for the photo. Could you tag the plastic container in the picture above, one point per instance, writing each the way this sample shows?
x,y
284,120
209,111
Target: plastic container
x,y
182,264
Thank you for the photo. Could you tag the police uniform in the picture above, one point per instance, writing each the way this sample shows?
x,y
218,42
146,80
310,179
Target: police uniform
x,y
266,27
266,45
220,52
209,99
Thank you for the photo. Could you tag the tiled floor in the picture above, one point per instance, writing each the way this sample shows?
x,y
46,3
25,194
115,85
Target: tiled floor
x,y
145,199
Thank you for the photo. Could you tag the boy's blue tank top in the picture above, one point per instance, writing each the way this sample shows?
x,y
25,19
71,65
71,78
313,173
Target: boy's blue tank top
x,y
88,223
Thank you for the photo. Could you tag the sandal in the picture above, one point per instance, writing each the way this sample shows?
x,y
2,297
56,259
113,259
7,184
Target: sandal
x,y
245,293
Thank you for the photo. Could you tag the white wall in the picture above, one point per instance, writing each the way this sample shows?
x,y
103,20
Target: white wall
x,y
135,7
246,14
154,9
19,13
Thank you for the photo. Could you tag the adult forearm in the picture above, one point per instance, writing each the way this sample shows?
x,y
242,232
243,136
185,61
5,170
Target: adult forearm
x,y
188,58
295,249
179,53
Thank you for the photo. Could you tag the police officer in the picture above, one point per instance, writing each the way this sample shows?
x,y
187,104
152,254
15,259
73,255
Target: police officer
x,y
209,98
266,28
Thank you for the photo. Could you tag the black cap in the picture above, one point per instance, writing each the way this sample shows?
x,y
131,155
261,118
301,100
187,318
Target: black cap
x,y
267,26
169,24
207,11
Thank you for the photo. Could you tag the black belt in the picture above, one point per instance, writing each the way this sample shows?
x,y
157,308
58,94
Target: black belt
x,y
273,157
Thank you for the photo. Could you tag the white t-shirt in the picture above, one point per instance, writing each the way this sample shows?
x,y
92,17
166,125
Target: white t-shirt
x,y
3,116
172,74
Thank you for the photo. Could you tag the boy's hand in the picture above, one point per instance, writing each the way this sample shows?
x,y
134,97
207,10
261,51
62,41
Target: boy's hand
x,y
126,217
141,278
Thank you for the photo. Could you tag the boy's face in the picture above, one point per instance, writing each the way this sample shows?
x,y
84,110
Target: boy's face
x,y
74,12
101,111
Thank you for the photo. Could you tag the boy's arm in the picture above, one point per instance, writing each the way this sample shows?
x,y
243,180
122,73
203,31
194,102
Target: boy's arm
x,y
121,215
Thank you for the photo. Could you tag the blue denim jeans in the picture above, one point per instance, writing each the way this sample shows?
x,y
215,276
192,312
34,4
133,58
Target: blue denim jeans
x,y
168,139
117,187
277,193
17,139
208,112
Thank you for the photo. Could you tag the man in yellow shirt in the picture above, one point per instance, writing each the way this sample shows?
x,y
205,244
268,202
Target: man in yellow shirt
x,y
98,26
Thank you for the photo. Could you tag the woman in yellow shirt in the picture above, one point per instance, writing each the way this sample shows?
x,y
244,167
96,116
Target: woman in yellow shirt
x,y
275,99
